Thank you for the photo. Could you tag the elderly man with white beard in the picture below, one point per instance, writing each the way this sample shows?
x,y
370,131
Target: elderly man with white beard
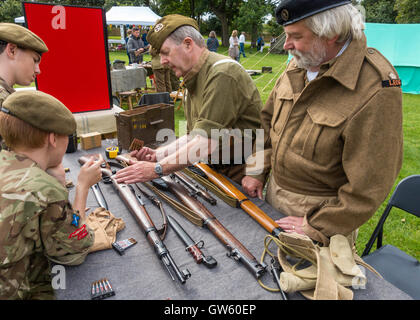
x,y
333,124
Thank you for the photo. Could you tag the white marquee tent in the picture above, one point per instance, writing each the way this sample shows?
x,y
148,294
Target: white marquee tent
x,y
142,16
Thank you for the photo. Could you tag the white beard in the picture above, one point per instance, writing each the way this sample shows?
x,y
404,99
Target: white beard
x,y
311,59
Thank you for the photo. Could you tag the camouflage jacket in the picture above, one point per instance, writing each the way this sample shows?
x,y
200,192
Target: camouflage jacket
x,y
5,91
37,226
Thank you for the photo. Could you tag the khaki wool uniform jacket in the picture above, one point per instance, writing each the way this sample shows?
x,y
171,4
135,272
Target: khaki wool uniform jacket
x,y
221,95
338,136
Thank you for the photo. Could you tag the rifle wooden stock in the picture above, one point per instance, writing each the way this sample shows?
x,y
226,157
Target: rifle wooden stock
x,y
237,250
143,219
248,206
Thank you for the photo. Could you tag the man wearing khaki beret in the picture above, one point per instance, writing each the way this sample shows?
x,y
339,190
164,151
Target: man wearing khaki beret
x,y
20,56
219,95
333,124
38,223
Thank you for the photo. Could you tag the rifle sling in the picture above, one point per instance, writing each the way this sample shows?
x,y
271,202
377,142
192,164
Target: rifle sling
x,y
233,202
185,211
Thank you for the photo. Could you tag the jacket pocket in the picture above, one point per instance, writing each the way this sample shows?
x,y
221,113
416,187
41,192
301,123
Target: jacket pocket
x,y
320,131
282,107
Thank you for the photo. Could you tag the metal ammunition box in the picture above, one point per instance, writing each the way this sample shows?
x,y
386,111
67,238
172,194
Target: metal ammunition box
x,y
144,123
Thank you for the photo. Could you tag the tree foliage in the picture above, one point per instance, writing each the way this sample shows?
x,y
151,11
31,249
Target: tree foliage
x,y
408,11
251,17
380,11
9,10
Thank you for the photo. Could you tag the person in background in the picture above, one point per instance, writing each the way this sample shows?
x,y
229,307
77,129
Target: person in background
x,y
260,43
136,46
212,42
333,124
161,73
143,37
234,46
242,44
129,31
38,224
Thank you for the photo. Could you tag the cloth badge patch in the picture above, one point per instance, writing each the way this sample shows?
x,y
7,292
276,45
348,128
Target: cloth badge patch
x,y
75,221
391,83
158,27
79,233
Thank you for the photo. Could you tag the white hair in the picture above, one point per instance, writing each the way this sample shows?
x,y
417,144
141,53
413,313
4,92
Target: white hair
x,y
187,31
345,21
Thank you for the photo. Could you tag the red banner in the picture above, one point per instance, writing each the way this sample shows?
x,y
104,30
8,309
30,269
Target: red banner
x,y
75,70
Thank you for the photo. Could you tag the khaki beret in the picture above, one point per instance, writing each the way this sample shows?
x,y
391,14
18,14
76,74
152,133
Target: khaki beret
x,y
22,37
40,110
165,26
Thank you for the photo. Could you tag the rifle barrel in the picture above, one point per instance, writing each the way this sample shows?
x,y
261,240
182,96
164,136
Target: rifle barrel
x,y
143,219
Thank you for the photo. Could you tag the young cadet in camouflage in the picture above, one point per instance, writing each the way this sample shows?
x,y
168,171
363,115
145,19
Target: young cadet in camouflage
x,y
333,124
220,95
20,56
37,223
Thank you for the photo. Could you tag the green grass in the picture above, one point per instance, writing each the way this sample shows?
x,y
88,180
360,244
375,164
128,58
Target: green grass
x,y
401,229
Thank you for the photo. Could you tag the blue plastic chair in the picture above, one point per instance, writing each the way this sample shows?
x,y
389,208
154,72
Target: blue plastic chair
x,y
396,266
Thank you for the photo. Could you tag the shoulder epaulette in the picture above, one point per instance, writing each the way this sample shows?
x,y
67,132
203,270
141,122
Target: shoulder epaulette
x,y
385,69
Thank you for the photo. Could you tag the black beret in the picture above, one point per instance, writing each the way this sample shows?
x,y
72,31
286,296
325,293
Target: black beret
x,y
291,11
40,110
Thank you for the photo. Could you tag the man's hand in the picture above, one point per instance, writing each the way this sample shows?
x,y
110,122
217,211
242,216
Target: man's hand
x,y
291,224
144,154
138,171
253,187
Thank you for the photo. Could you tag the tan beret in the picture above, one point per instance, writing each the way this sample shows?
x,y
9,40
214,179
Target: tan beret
x,y
22,37
40,110
165,26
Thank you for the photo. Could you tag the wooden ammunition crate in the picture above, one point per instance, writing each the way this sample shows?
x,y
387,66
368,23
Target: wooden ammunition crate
x,y
144,123
90,140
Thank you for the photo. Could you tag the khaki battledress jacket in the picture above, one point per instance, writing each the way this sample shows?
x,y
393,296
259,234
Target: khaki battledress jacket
x,y
221,95
338,137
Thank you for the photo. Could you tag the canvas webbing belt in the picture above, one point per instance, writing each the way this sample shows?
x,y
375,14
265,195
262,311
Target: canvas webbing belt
x,y
331,271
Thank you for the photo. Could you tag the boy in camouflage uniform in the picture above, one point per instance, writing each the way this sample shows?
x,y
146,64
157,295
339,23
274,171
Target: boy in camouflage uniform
x,y
20,56
37,222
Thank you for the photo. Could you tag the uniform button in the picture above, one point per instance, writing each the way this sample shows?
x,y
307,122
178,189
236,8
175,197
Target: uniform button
x,y
371,51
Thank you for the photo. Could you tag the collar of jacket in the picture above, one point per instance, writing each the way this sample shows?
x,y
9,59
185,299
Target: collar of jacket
x,y
338,67
6,86
190,78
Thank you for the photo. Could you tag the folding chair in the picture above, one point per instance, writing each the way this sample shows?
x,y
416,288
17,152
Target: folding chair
x,y
154,98
396,266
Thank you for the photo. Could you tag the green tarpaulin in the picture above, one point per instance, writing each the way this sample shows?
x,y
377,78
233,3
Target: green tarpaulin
x,y
400,44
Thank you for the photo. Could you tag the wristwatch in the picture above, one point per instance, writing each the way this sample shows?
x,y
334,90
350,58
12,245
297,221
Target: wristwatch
x,y
159,170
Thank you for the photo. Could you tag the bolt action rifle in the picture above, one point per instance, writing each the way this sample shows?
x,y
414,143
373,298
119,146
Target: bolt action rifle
x,y
236,249
248,206
143,219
